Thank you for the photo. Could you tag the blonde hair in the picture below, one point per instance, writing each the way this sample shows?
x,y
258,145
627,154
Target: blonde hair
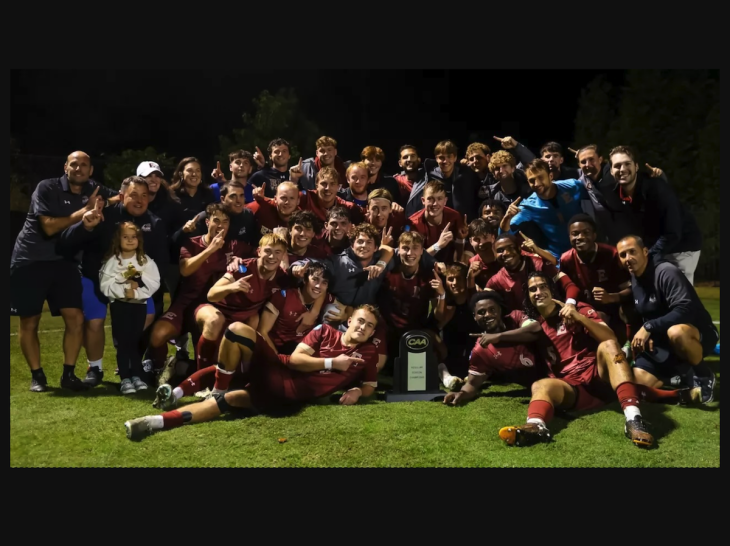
x,y
116,247
380,193
271,239
499,158
353,166
477,147
328,172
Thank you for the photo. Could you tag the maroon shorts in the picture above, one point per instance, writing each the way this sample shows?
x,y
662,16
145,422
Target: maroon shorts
x,y
269,378
592,392
182,318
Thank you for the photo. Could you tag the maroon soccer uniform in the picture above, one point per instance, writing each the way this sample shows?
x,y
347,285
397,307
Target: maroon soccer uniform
x,y
321,242
193,289
267,216
309,200
397,223
404,302
288,307
238,307
507,363
513,284
431,233
604,271
326,341
313,251
486,271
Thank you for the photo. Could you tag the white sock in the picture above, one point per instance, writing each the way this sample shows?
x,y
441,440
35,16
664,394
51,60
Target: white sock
x,y
443,372
632,411
536,420
95,363
177,392
156,422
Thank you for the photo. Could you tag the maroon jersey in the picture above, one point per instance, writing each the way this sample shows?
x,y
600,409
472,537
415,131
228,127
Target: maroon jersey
x,y
512,285
431,233
397,223
267,216
240,306
194,288
288,307
604,271
327,343
314,251
309,200
321,242
404,302
571,353
486,271
507,363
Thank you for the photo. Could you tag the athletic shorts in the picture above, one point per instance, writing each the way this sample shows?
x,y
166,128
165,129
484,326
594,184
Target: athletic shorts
x,y
58,282
593,392
269,377
181,318
95,303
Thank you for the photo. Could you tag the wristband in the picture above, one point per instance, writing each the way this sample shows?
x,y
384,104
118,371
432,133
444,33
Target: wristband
x,y
436,247
327,363
442,296
570,300
381,263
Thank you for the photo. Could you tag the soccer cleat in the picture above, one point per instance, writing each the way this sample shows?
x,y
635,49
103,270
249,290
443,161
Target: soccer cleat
x,y
138,384
453,383
127,387
93,376
689,396
168,370
164,398
706,383
636,431
138,428
524,435
204,394
39,384
73,383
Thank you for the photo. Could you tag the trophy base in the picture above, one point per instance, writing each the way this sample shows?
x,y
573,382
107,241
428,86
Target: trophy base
x,y
414,396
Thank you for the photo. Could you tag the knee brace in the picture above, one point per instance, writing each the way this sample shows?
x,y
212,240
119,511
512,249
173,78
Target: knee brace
x,y
220,399
246,342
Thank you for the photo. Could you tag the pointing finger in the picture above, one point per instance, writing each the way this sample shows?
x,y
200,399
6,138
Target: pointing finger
x,y
448,225
517,201
259,150
560,303
247,277
218,165
497,138
300,162
649,166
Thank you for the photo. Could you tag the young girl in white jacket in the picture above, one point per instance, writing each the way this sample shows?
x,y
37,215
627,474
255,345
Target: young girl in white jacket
x,y
128,278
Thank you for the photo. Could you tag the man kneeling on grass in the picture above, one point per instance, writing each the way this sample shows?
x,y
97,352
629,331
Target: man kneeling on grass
x,y
326,361
587,369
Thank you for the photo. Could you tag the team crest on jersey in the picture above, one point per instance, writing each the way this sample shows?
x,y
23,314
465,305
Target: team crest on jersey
x,y
275,289
274,182
652,299
376,341
265,230
170,316
561,329
497,354
242,231
84,200
147,227
591,312
602,275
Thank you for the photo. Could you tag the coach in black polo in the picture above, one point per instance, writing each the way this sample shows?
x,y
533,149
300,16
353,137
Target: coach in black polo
x,y
38,272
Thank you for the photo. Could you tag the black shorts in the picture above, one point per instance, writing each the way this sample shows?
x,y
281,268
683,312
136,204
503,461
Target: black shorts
x,y
58,282
709,337
663,370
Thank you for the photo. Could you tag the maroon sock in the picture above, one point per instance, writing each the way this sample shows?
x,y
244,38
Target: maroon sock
x,y
199,381
172,419
158,356
207,353
662,396
222,378
628,394
540,409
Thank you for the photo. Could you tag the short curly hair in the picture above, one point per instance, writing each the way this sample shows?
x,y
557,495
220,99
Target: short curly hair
x,y
475,147
499,158
369,230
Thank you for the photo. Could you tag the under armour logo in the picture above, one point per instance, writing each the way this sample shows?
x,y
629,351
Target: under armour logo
x,y
351,270
66,202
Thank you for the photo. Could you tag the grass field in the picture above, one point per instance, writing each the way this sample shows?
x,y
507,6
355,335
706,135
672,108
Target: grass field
x,y
63,429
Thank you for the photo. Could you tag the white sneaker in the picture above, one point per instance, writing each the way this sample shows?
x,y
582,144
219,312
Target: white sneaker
x,y
453,383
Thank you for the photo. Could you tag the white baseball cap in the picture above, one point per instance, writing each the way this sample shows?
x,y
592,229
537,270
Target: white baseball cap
x,y
146,168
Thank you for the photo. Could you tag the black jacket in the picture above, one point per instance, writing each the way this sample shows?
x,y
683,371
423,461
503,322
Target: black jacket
x,y
523,189
664,297
462,189
654,213
524,156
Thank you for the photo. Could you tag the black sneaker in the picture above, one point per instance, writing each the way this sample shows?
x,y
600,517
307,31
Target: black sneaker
x,y
636,431
73,383
524,435
689,396
93,376
706,383
39,383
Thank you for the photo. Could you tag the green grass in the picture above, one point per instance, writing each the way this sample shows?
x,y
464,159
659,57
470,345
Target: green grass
x,y
62,429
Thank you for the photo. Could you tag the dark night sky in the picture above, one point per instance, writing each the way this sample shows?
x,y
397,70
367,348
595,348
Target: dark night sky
x,y
183,112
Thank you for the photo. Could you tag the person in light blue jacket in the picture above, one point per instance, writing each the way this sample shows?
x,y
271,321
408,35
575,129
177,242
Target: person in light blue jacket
x,y
544,215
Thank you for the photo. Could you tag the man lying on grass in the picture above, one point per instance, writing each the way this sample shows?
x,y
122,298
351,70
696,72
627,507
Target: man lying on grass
x,y
326,361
